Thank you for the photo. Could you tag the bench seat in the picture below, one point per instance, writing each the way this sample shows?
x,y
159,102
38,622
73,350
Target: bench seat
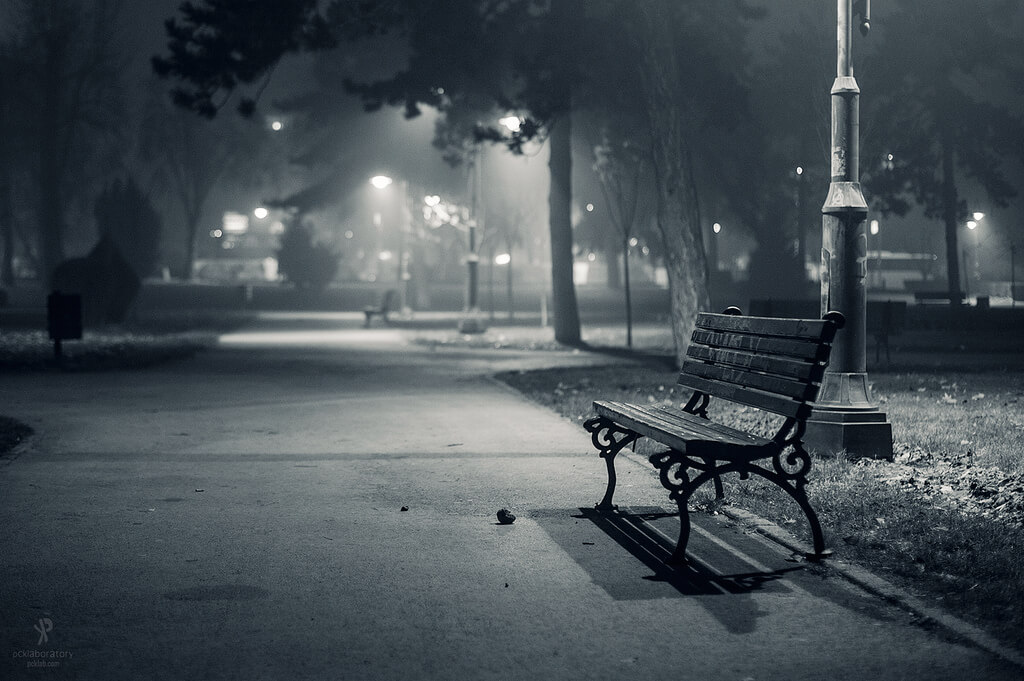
x,y
684,431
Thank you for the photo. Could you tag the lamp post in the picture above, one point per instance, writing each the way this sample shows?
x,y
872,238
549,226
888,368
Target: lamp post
x,y
972,225
381,183
505,260
716,229
801,232
471,321
876,279
1013,275
846,418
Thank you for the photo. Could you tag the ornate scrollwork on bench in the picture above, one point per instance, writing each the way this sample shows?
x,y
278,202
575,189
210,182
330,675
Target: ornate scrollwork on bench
x,y
789,472
609,439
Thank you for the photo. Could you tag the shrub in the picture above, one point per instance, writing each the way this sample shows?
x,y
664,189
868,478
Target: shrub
x,y
303,261
125,216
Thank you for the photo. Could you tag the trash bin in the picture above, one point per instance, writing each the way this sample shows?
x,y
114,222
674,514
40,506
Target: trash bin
x,y
64,316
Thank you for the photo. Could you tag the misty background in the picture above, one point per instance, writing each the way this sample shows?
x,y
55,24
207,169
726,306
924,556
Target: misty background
x,y
84,115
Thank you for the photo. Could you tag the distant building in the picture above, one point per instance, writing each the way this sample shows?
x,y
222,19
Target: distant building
x,y
243,248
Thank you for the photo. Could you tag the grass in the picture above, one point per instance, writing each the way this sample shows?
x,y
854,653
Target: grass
x,y
945,519
955,412
142,343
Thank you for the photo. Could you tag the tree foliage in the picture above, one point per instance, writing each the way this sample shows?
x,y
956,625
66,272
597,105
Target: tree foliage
x,y
187,157
942,111
217,46
64,104
302,260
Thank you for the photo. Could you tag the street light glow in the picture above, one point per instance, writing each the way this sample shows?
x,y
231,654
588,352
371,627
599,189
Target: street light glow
x,y
716,228
590,208
874,226
799,170
261,213
381,181
432,200
511,123
502,259
972,224
276,125
978,216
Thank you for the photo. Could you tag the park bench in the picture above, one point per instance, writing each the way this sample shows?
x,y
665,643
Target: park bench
x,y
386,306
774,365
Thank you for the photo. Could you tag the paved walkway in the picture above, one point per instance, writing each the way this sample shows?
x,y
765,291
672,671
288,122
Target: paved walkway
x,y
240,515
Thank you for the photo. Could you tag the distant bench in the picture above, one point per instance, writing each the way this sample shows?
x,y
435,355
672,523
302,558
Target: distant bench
x,y
775,365
383,309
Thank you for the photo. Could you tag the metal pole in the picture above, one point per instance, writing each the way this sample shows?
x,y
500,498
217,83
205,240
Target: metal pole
x,y
471,321
474,257
404,234
473,261
846,417
1013,275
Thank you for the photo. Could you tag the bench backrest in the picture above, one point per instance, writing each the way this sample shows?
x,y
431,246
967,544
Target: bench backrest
x,y
764,362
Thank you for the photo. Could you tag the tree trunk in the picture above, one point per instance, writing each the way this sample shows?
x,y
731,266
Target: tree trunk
x,y
191,227
508,290
51,217
7,227
614,272
50,198
671,135
685,258
628,292
567,318
950,217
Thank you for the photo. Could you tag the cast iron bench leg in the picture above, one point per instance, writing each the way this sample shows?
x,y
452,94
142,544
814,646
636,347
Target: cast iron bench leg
x,y
672,471
609,439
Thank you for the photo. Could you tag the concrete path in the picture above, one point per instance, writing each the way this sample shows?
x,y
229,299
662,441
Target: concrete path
x,y
239,515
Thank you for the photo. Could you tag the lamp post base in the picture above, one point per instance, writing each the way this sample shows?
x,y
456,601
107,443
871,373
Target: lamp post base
x,y
853,432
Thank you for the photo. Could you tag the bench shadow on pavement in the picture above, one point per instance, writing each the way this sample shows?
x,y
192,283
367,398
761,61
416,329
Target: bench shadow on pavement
x,y
626,553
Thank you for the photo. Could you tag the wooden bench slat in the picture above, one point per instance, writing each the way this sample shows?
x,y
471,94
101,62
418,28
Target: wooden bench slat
x,y
799,349
671,417
780,366
799,390
810,329
747,396
676,428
